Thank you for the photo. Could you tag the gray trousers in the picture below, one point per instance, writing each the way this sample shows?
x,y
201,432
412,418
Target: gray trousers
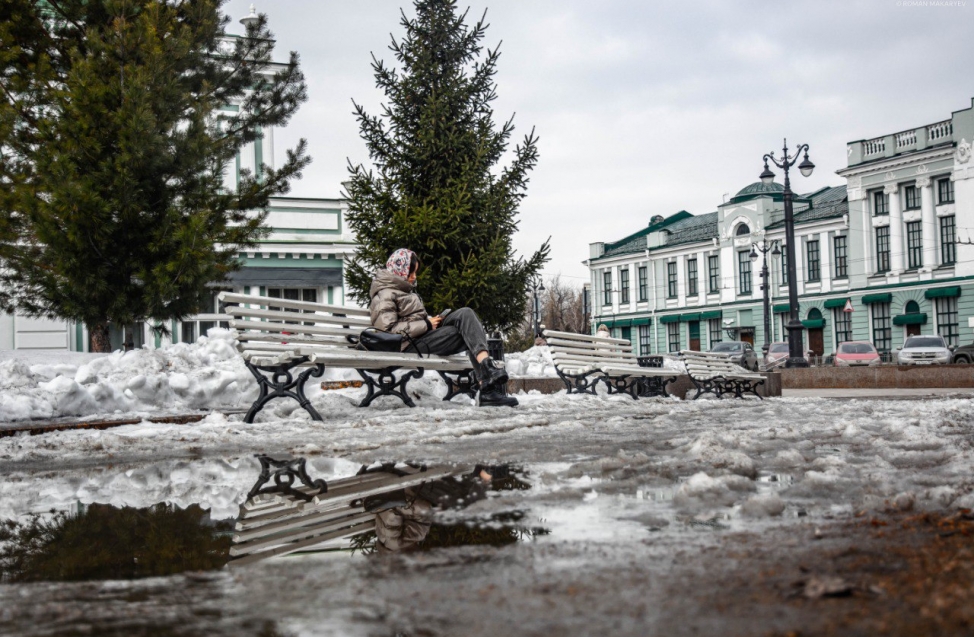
x,y
460,331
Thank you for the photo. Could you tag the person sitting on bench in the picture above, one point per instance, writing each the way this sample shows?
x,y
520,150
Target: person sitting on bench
x,y
396,307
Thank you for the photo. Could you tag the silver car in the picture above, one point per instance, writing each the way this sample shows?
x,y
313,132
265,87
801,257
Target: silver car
x,y
924,350
739,352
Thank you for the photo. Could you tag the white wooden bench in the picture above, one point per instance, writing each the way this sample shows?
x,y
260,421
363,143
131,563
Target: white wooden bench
x,y
278,337
583,360
715,374
297,514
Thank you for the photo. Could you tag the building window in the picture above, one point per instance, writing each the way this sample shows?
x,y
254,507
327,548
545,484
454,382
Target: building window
x,y
882,249
713,326
785,318
713,271
784,265
912,197
673,336
744,271
671,280
814,263
948,250
743,229
843,325
947,319
624,285
691,277
880,203
914,245
882,328
841,258
309,295
643,284
644,340
607,287
945,191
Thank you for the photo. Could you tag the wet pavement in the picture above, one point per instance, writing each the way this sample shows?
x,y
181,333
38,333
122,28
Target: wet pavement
x,y
651,518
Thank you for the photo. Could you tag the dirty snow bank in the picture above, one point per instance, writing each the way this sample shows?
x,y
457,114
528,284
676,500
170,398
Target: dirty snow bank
x,y
208,373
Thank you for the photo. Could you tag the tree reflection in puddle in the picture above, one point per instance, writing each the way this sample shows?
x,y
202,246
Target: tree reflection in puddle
x,y
106,542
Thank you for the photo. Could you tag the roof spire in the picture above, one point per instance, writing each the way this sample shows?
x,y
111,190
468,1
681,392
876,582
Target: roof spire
x,y
247,20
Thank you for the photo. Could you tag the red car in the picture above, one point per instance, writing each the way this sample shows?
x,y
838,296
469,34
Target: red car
x,y
856,354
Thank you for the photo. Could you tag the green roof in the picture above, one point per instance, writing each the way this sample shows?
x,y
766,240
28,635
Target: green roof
x,y
758,189
632,242
834,303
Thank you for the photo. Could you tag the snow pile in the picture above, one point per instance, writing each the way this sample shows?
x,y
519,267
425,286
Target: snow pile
x,y
208,373
532,363
219,486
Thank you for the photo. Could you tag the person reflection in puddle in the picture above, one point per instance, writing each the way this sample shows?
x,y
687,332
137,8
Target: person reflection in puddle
x,y
406,523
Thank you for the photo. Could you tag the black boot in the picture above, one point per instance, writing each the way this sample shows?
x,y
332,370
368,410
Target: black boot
x,y
490,372
491,396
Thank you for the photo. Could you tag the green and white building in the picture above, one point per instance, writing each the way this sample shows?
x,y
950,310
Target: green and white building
x,y
891,243
302,257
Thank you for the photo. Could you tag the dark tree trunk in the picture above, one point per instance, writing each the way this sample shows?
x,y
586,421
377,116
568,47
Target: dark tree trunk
x,y
100,342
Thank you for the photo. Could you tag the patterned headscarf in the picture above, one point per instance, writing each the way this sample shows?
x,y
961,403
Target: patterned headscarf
x,y
398,262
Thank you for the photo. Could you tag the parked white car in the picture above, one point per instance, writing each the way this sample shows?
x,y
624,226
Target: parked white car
x,y
924,350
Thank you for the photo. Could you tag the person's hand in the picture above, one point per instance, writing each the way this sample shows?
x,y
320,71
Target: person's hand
x,y
435,321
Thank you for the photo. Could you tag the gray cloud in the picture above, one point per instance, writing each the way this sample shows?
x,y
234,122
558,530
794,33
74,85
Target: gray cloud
x,y
643,107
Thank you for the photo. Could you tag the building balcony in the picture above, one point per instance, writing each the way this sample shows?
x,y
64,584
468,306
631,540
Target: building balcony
x,y
908,141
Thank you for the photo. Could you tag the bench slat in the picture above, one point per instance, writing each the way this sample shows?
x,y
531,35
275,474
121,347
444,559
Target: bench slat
x,y
352,321
277,328
230,297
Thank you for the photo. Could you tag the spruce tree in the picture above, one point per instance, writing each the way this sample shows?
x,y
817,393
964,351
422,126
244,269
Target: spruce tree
x,y
436,188
115,135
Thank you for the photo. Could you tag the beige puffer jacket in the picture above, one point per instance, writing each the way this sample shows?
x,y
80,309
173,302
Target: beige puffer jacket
x,y
396,308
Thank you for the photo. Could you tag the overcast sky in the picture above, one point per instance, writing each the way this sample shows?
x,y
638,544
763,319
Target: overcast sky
x,y
646,108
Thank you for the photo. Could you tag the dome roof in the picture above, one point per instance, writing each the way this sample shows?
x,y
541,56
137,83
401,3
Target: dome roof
x,y
759,188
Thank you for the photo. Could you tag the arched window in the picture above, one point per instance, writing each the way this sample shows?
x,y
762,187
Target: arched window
x,y
814,314
743,229
912,307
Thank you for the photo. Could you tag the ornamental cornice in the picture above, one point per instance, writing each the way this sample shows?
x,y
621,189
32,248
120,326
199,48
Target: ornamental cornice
x,y
896,162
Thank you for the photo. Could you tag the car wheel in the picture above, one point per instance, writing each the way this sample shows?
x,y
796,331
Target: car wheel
x,y
962,360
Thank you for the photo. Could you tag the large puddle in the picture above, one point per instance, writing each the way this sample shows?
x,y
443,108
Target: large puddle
x,y
229,529
386,508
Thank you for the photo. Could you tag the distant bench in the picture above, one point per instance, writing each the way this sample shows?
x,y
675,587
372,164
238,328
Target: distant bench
x,y
583,360
715,374
278,338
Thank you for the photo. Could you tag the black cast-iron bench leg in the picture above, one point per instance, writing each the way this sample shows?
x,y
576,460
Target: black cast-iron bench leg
x,y
622,385
579,383
284,473
459,382
385,384
282,384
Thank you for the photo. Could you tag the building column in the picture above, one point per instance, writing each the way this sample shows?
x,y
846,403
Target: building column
x,y
703,278
825,260
929,220
896,249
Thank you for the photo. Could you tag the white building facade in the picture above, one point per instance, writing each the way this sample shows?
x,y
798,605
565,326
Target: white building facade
x,y
887,244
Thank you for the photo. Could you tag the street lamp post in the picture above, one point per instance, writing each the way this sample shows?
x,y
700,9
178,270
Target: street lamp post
x,y
796,356
766,284
537,285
